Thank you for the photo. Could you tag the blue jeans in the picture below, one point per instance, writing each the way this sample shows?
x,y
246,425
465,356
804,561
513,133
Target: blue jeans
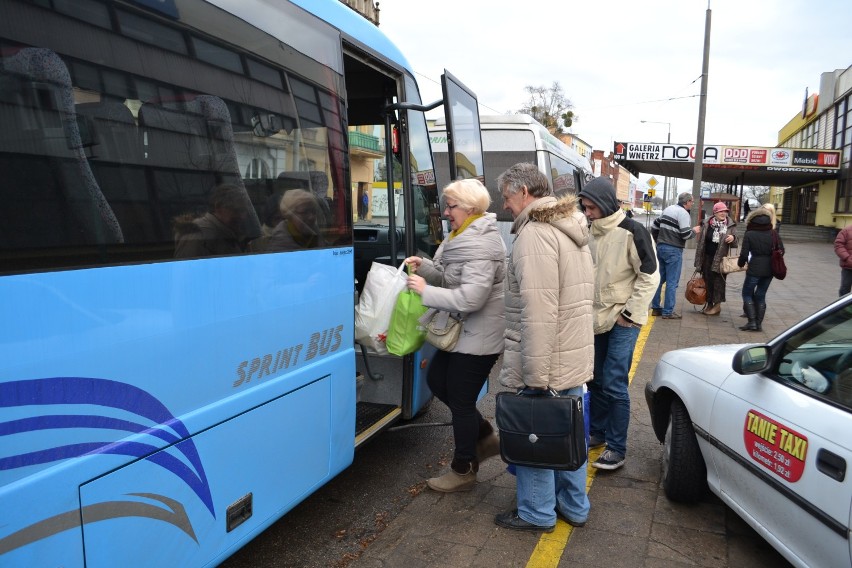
x,y
755,287
670,260
610,401
541,492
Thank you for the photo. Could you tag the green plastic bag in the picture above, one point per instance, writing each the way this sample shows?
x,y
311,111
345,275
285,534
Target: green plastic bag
x,y
406,334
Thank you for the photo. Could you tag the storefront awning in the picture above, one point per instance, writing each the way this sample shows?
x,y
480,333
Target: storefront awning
x,y
732,165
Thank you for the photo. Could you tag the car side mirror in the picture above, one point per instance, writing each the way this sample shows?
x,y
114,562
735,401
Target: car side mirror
x,y
751,359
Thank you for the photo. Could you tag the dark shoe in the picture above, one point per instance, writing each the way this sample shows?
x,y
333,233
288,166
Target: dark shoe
x,y
595,442
565,518
511,520
609,460
656,311
751,314
672,316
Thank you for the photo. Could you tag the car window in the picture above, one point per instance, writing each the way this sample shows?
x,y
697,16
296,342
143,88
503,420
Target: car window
x,y
820,357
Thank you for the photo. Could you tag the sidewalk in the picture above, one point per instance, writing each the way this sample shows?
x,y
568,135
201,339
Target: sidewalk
x,y
631,522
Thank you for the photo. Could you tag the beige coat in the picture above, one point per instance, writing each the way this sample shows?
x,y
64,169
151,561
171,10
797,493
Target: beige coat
x,y
549,291
627,275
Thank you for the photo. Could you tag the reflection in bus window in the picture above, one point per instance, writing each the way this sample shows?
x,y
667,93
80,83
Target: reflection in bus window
x,y
220,231
131,144
301,225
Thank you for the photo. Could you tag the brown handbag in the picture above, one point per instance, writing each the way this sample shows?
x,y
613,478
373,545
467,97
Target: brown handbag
x,y
696,290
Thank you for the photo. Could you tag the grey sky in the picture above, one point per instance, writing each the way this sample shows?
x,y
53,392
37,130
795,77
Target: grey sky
x,y
623,61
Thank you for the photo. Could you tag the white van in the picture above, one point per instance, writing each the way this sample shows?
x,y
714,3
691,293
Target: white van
x,y
508,139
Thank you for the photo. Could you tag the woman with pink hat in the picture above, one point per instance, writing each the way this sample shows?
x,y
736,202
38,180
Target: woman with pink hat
x,y
717,236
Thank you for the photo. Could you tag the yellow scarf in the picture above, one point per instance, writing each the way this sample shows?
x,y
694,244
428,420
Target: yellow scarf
x,y
306,241
464,225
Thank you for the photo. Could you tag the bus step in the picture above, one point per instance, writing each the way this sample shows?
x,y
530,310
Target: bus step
x,y
372,414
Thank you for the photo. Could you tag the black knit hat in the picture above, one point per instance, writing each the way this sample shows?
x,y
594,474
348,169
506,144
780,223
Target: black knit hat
x,y
601,191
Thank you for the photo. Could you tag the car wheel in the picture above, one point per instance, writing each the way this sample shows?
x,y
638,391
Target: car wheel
x,y
684,471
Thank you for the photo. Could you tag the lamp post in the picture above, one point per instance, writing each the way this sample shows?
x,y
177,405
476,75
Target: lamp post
x,y
668,141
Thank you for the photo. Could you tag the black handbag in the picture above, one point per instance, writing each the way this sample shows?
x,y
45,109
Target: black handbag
x,y
540,428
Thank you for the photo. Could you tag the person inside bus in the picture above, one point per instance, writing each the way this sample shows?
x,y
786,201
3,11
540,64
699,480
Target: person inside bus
x,y
465,277
300,225
270,217
217,232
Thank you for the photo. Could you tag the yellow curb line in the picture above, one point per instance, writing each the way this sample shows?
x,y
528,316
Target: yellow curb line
x,y
551,546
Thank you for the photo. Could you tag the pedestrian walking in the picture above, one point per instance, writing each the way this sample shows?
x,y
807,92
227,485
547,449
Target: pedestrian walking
x,y
671,230
549,338
843,249
626,276
716,238
756,250
465,277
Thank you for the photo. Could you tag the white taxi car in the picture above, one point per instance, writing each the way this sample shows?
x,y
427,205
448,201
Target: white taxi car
x,y
769,429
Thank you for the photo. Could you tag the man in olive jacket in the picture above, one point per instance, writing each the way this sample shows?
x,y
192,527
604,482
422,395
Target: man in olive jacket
x,y
549,338
626,278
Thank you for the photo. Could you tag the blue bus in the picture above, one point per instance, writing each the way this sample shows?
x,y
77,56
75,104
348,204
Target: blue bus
x,y
181,249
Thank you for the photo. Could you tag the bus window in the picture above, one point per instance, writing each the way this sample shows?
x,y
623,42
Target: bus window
x,y
142,157
562,176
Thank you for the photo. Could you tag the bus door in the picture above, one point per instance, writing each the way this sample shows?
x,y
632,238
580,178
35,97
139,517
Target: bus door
x,y
393,176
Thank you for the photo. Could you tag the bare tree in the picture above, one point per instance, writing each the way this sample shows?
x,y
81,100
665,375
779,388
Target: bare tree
x,y
758,192
714,187
549,106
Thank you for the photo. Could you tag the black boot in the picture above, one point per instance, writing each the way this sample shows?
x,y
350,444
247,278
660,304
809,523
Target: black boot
x,y
751,313
761,311
744,314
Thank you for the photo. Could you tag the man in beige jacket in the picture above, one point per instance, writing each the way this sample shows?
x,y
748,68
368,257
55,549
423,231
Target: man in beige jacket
x,y
626,278
549,337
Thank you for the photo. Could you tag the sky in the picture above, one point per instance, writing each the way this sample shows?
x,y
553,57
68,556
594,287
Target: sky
x,y
625,61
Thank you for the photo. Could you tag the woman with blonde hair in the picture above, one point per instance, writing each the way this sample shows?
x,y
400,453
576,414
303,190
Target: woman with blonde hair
x,y
301,224
776,224
465,278
758,243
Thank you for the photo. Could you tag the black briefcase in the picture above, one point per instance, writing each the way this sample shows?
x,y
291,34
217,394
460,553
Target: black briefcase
x,y
541,429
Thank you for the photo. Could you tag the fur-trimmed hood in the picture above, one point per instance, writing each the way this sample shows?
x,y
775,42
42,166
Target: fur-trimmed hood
x,y
759,212
185,225
563,214
561,208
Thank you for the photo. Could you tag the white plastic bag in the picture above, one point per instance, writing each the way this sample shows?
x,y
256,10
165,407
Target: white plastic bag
x,y
375,306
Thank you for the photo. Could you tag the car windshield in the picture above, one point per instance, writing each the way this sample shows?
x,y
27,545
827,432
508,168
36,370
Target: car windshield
x,y
820,356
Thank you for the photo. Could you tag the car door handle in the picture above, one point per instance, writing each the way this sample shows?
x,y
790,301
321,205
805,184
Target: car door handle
x,y
831,464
